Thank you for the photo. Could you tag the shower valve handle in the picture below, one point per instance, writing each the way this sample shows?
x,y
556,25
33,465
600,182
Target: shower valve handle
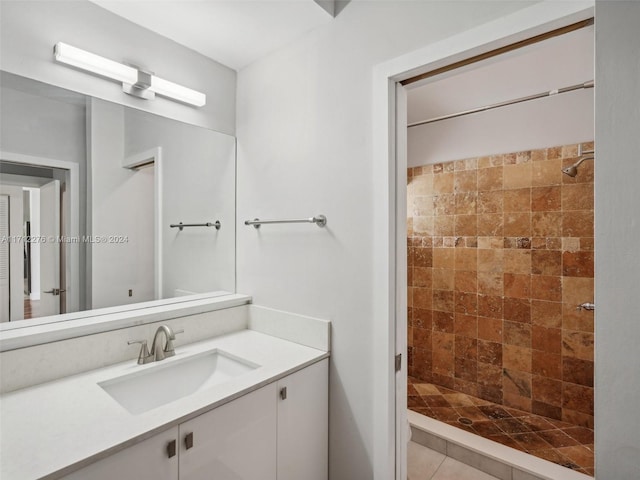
x,y
586,306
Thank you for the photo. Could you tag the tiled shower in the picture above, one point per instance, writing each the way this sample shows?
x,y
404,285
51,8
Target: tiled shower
x,y
500,255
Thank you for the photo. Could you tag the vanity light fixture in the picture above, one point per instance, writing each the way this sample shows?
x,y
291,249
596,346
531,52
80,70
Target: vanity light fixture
x,y
134,82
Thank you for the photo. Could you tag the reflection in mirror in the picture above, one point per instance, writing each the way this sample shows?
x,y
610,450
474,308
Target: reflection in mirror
x,y
89,191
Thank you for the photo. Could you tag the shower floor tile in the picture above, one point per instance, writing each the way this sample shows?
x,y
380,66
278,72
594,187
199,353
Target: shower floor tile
x,y
553,440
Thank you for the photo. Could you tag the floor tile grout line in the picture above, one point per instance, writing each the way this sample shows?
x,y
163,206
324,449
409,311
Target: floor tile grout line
x,y
439,465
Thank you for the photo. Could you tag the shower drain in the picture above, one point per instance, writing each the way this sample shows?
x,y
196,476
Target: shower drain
x,y
465,421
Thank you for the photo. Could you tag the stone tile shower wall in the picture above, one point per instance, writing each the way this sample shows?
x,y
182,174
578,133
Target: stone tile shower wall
x,y
500,253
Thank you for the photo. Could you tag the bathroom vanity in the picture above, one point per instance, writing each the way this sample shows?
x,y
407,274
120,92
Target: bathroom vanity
x,y
247,404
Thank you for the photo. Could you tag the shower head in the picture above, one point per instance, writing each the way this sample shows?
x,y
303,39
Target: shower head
x,y
572,170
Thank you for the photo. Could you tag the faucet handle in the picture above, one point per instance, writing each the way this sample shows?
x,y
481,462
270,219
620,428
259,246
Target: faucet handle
x,y
144,356
169,349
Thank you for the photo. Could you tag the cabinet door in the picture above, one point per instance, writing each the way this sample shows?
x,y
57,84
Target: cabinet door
x,y
147,459
303,424
236,441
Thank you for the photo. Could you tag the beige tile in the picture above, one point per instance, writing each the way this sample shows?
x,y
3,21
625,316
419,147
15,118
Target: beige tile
x,y
465,181
443,183
490,283
546,172
516,358
444,225
490,202
443,279
422,185
466,259
443,258
547,224
517,176
423,225
490,225
517,224
444,204
426,389
517,261
452,469
517,200
422,462
490,242
577,290
490,260
466,203
538,155
490,179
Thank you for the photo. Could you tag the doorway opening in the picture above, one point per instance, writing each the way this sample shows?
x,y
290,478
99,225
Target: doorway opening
x,y
37,219
500,249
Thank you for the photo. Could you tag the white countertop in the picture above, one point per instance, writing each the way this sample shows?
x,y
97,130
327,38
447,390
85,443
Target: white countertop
x,y
54,428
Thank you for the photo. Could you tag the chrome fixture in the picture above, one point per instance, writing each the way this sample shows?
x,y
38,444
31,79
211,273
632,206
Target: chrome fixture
x,y
319,220
550,93
572,170
160,353
134,81
157,352
55,291
586,306
208,224
144,356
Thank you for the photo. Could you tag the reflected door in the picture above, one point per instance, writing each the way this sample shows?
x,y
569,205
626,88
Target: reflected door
x,y
11,254
50,249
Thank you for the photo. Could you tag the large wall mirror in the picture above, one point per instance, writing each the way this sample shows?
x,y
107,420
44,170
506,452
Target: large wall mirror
x,y
89,193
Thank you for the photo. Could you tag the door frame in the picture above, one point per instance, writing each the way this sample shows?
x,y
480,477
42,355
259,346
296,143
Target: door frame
x,y
16,284
132,162
389,206
72,268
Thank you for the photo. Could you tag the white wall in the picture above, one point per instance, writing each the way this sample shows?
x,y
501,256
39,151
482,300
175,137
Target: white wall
x,y
122,203
30,29
43,123
617,197
557,120
198,186
305,147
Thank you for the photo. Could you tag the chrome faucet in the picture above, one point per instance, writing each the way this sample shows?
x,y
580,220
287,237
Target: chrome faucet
x,y
158,352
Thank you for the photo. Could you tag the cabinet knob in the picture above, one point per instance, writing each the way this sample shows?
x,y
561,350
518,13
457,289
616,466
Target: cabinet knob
x,y
188,440
283,393
171,449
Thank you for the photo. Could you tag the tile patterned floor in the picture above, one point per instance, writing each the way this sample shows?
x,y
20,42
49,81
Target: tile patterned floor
x,y
553,440
426,464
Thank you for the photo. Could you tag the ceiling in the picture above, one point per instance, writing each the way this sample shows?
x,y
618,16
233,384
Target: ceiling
x,y
232,32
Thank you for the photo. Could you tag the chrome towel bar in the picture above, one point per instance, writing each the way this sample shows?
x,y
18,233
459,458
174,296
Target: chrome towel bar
x,y
319,220
208,224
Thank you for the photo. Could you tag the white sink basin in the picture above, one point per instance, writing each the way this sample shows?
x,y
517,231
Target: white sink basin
x,y
172,379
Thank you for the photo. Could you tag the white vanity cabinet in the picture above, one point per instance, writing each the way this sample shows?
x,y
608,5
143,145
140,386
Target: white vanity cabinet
x,y
234,441
278,432
303,419
146,459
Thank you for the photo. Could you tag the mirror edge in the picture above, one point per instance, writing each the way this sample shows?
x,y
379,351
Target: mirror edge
x,y
151,312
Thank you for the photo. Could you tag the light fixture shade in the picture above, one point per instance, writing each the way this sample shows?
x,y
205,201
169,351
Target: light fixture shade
x,y
104,67
177,92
